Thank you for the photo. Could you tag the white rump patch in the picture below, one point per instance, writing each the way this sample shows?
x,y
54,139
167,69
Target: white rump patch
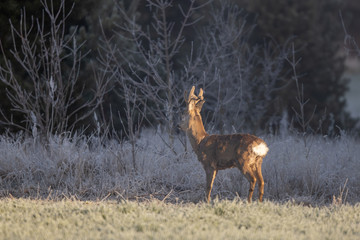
x,y
261,149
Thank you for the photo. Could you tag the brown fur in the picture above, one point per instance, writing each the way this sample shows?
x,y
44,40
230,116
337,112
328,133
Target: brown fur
x,y
217,152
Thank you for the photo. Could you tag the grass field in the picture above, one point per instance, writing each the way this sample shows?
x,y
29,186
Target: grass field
x,y
83,188
153,219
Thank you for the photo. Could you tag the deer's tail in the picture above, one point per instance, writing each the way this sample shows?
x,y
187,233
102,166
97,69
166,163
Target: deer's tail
x,y
261,149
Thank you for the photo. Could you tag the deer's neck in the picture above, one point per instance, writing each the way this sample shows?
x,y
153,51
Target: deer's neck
x,y
196,131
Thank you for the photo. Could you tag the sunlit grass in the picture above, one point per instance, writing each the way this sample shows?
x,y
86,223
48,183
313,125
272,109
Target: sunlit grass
x,y
153,219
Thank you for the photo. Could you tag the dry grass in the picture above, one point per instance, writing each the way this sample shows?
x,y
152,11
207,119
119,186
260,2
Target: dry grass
x,y
91,169
73,219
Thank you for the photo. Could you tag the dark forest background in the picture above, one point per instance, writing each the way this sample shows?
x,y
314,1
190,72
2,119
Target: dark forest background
x,y
313,29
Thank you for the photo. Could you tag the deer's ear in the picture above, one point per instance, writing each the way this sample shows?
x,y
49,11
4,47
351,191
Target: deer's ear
x,y
201,93
186,97
191,94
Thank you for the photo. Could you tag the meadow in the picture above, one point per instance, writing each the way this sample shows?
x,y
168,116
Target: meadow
x,y
96,188
154,219
56,183
313,170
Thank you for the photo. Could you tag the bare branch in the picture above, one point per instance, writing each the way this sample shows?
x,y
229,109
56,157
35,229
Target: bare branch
x,y
51,101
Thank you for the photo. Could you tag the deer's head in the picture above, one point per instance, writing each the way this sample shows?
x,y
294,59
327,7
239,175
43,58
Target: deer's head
x,y
193,108
194,103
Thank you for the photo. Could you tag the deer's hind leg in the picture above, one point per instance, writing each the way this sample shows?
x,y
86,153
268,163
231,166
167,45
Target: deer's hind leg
x,y
249,173
259,177
252,180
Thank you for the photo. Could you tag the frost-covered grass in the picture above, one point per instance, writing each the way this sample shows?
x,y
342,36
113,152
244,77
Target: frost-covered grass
x,y
312,170
154,219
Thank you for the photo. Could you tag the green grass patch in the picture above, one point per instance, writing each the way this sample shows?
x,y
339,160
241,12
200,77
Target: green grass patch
x,y
73,219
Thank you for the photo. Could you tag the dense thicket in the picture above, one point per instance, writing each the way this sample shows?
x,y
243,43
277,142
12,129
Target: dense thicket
x,y
314,27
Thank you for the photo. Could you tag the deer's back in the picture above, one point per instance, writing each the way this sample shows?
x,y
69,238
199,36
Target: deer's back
x,y
222,151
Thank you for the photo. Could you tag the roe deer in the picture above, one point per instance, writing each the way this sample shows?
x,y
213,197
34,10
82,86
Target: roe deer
x,y
217,152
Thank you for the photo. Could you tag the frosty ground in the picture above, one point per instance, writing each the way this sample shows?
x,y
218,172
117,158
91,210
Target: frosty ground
x,y
91,187
314,170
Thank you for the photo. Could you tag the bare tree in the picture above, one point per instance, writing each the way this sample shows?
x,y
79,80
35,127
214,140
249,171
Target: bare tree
x,y
149,65
134,113
350,45
239,79
53,99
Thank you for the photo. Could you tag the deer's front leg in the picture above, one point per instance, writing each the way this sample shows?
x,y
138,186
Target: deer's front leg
x,y
210,177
